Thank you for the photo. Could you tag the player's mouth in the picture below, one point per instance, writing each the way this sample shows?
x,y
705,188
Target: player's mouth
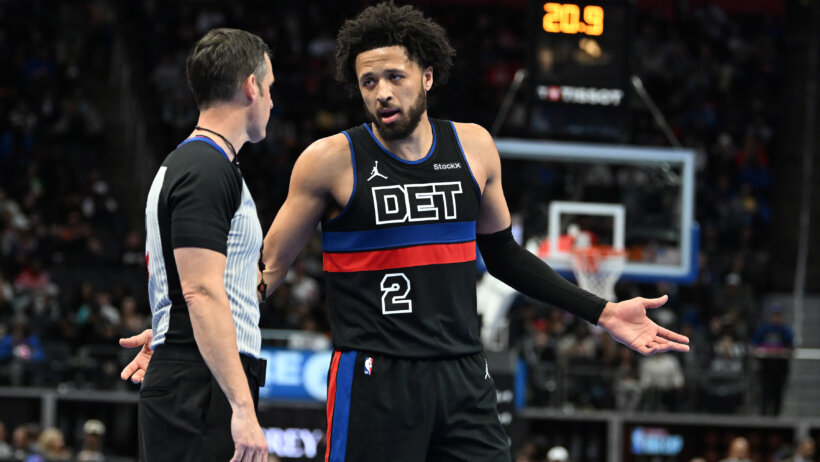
x,y
388,116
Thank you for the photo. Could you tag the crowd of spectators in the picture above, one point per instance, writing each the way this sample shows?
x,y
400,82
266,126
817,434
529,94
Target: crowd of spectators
x,y
64,242
719,447
30,443
72,264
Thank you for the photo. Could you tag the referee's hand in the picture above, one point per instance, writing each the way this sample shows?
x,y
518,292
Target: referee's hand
x,y
135,370
248,439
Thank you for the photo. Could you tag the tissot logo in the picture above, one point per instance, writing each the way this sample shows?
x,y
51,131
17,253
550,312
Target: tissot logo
x,y
415,202
581,95
450,166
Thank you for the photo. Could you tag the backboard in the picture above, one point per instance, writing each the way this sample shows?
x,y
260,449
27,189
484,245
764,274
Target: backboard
x,y
639,199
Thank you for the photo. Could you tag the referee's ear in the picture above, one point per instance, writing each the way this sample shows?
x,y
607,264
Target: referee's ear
x,y
250,88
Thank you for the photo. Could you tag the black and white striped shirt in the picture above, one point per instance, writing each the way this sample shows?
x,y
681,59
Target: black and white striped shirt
x,y
199,199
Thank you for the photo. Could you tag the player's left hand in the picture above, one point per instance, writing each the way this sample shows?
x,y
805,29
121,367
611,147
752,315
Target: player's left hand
x,y
628,324
135,370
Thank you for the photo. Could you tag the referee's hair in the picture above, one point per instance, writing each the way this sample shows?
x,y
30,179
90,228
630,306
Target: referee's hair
x,y
385,25
219,63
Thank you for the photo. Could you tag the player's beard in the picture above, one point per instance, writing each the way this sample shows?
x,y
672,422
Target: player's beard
x,y
403,126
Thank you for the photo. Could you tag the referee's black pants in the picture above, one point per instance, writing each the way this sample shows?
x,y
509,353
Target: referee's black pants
x,y
183,413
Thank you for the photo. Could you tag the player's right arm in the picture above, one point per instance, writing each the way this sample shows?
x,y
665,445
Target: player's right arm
x,y
322,175
626,321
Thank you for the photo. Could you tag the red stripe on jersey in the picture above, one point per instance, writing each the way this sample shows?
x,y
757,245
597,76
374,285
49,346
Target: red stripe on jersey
x,y
331,398
435,254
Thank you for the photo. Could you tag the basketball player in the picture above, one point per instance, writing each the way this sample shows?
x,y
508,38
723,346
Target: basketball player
x,y
198,397
402,202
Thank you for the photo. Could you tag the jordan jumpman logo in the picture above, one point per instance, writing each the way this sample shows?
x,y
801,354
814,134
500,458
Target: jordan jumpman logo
x,y
375,172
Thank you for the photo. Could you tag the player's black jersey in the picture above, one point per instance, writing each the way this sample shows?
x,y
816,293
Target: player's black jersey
x,y
399,260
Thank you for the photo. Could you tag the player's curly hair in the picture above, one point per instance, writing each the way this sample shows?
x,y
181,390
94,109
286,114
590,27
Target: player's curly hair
x,y
385,25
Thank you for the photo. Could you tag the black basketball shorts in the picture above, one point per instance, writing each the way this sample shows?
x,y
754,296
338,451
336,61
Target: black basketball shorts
x,y
381,408
183,415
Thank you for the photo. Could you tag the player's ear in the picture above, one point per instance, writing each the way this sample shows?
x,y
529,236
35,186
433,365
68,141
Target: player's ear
x,y
427,77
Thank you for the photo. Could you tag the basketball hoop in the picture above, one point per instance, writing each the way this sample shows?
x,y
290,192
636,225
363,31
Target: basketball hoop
x,y
598,268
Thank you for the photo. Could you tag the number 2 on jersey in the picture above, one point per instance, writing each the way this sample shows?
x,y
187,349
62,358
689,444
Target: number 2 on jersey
x,y
395,288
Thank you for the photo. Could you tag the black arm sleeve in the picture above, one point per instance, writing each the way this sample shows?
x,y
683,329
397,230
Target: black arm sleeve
x,y
528,274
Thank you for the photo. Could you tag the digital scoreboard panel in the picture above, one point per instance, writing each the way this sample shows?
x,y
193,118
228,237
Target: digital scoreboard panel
x,y
578,86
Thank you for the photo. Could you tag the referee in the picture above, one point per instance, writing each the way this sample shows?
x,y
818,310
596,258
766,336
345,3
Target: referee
x,y
198,399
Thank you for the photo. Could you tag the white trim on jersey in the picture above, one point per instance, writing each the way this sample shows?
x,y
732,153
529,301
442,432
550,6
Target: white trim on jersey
x,y
244,242
158,295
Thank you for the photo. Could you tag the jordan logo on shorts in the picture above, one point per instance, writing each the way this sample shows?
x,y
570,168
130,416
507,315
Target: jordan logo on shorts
x,y
486,370
375,172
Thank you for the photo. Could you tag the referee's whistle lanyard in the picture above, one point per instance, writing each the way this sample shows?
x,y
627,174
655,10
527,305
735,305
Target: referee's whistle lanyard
x,y
230,145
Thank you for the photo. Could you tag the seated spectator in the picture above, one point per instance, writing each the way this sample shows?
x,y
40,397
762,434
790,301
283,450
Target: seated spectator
x,y
539,345
538,349
131,322
93,431
626,385
532,449
24,440
772,343
805,451
22,353
724,385
33,278
577,355
662,380
738,451
52,445
133,252
6,451
578,347
6,299
728,356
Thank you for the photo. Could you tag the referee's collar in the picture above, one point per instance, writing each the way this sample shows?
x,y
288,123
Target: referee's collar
x,y
207,140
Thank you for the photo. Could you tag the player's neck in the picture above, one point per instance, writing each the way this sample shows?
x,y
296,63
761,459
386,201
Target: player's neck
x,y
226,122
414,146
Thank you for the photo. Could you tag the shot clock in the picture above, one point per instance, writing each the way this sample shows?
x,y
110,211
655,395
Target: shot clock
x,y
579,68
569,18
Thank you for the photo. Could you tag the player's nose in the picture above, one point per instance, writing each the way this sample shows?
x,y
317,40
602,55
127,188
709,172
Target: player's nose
x,y
383,93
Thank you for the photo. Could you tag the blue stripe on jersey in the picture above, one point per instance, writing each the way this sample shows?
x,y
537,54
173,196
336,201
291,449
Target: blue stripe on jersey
x,y
464,156
430,153
207,140
355,180
402,236
341,409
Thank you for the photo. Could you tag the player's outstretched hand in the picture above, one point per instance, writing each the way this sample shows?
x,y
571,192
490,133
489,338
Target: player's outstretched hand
x,y
135,370
627,323
249,442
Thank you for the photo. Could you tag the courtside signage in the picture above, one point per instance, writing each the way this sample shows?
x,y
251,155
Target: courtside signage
x,y
298,375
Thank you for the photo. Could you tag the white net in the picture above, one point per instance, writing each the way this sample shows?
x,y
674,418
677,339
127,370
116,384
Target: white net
x,y
597,269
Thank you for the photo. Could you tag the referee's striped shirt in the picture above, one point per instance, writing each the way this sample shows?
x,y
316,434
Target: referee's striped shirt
x,y
199,199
